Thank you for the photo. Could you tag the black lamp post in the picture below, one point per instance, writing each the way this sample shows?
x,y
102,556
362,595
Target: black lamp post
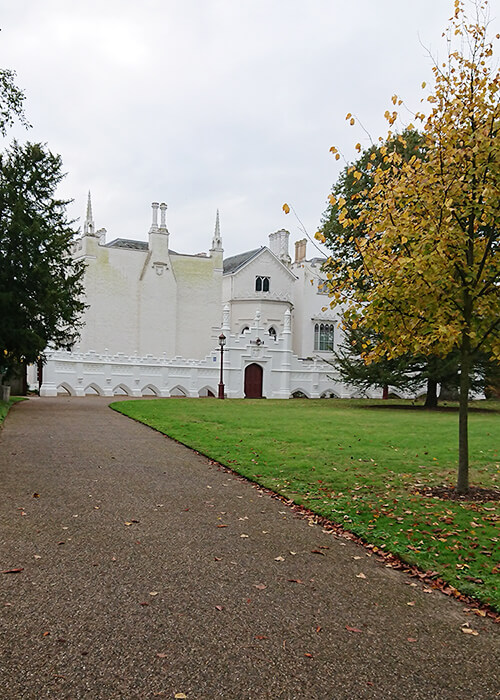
x,y
222,342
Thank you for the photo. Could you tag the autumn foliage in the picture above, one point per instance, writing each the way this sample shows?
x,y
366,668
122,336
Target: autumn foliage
x,y
432,225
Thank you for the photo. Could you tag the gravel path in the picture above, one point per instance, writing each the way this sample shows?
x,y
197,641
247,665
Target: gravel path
x,y
148,572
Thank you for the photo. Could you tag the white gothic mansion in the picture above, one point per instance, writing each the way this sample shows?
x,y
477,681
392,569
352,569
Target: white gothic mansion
x,y
154,318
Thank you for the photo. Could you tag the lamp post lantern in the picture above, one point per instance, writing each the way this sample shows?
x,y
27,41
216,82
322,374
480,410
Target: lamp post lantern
x,y
222,342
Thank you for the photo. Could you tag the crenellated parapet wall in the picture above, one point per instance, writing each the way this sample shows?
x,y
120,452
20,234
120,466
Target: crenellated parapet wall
x,y
106,374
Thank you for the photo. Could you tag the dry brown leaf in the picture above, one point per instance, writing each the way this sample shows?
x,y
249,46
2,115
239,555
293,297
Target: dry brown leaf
x,y
13,571
279,559
469,630
260,586
410,602
162,655
352,629
361,575
219,607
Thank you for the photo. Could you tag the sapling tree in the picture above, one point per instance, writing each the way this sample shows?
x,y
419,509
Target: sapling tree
x,y
431,225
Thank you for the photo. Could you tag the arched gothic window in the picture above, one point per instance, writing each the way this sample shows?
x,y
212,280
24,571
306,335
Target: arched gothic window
x,y
272,332
262,283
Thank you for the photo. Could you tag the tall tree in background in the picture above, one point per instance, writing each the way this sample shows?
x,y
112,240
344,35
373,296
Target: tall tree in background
x,y
40,284
431,243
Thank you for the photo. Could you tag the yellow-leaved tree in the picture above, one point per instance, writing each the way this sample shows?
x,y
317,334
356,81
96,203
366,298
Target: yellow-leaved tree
x,y
432,244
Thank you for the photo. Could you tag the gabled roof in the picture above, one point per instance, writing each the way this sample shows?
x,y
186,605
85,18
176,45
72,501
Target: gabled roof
x,y
236,261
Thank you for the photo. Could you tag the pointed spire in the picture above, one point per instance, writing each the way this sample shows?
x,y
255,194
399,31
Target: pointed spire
x,y
88,226
217,240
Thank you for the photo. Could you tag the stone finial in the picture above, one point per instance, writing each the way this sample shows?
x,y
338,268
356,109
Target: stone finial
x,y
163,217
225,318
154,222
88,226
287,322
217,239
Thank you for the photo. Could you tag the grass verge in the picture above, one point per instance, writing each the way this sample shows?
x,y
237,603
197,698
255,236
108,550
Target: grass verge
x,y
358,466
5,406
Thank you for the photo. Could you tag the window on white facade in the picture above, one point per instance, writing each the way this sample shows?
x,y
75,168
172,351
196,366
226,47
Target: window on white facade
x,y
272,332
323,336
262,284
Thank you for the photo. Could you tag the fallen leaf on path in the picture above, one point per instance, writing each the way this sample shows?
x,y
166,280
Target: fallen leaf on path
x,y
309,656
293,553
45,634
36,495
222,525
356,557
469,630
244,535
180,696
279,559
219,607
352,629
318,629
317,551
217,559
13,571
412,639
261,636
360,575
410,602
37,556
260,586
144,603
162,655
153,592
295,580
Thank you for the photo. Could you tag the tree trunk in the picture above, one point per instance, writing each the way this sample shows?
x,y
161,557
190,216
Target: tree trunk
x,y
463,433
385,392
431,400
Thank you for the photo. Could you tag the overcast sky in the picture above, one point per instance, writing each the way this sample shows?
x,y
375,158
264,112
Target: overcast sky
x,y
206,104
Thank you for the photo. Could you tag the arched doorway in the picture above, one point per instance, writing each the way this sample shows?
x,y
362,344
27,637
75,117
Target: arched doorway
x,y
253,381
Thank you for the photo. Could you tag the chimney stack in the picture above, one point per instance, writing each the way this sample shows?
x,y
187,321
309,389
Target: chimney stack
x,y
278,244
300,250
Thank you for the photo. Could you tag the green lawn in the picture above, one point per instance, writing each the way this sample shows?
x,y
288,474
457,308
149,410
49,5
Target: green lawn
x,y
357,464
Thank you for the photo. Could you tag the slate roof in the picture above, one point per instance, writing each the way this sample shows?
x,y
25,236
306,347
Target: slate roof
x,y
236,261
128,244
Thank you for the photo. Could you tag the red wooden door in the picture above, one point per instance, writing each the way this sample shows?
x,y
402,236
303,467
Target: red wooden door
x,y
253,382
